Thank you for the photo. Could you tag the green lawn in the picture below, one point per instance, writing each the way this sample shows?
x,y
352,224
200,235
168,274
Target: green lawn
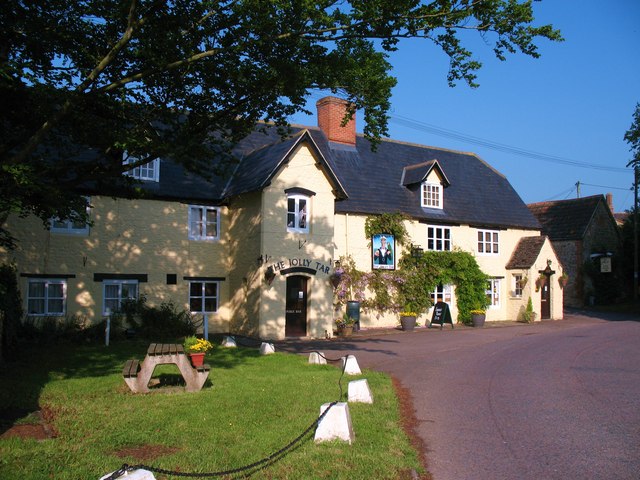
x,y
251,407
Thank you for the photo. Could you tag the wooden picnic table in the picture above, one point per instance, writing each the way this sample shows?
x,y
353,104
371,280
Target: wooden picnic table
x,y
137,375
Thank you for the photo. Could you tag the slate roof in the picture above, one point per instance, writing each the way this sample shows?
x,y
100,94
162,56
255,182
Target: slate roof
x,y
366,182
477,195
418,173
526,252
563,220
257,168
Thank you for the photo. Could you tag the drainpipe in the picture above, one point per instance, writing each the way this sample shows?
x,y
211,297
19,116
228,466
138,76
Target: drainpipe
x,y
346,234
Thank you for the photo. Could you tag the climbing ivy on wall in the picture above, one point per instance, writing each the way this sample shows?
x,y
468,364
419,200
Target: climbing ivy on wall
x,y
425,272
409,287
392,223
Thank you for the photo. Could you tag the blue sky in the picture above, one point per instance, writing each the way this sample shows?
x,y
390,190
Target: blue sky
x,y
571,106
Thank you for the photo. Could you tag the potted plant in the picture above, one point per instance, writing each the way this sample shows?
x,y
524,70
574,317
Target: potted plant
x,y
196,348
528,315
345,325
408,319
478,316
563,280
541,281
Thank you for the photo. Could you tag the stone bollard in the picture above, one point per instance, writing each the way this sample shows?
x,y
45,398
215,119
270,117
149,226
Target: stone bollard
x,y
335,425
350,365
317,358
267,348
229,342
139,474
359,391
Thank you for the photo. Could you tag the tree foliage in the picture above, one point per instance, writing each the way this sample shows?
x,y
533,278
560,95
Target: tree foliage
x,y
632,137
81,82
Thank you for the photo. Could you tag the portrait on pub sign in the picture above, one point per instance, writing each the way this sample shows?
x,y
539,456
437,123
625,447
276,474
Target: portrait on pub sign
x,y
383,252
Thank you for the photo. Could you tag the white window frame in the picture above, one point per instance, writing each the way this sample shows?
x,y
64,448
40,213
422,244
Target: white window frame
x,y
199,222
47,298
149,171
493,292
107,311
431,195
517,285
299,216
490,239
70,227
434,239
444,292
203,297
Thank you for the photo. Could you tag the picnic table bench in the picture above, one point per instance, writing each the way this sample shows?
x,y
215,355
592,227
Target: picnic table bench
x,y
137,375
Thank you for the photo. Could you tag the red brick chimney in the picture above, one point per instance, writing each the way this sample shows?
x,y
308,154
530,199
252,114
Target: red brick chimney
x,y
610,201
331,111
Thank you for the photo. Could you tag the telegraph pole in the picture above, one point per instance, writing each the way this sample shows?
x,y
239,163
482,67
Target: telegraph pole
x,y
636,175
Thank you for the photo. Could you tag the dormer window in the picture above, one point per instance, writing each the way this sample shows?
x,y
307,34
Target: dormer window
x,y
148,171
429,180
431,195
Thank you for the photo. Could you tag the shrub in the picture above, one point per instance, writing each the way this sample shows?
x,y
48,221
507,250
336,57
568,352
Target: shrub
x,y
164,321
10,311
528,315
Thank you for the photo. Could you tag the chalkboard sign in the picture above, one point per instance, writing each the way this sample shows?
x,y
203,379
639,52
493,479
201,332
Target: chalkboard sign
x,y
441,315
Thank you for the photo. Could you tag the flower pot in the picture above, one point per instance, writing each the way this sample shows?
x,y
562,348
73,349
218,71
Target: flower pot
x,y
477,319
197,359
345,330
408,323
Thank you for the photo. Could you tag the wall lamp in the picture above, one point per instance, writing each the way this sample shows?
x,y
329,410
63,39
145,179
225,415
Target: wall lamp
x,y
269,275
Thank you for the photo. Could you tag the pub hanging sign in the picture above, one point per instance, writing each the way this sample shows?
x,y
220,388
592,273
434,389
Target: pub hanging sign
x,y
383,247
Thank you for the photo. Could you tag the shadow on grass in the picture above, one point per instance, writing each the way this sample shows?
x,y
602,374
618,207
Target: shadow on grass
x,y
37,364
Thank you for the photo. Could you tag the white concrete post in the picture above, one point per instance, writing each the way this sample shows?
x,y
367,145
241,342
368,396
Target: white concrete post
x,y
267,348
139,474
350,365
229,342
359,391
317,358
335,425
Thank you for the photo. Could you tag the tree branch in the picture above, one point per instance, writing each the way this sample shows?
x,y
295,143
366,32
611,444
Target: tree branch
x,y
44,130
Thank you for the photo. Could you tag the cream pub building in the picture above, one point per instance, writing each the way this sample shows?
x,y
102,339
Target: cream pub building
x,y
253,253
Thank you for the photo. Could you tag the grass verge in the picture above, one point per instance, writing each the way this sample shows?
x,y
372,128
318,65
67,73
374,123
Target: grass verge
x,y
251,407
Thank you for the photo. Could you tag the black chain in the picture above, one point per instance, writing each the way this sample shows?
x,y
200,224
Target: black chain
x,y
260,463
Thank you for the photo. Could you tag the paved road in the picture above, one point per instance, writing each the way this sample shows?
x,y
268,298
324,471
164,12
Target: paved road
x,y
552,400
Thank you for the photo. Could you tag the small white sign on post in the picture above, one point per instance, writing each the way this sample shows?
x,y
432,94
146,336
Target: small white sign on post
x,y
605,264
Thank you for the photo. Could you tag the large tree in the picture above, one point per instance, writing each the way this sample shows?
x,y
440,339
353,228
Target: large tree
x,y
82,81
